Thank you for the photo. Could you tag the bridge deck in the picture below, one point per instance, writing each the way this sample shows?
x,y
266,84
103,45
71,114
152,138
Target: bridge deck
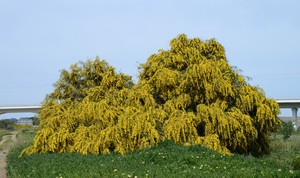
x,y
289,103
283,103
19,109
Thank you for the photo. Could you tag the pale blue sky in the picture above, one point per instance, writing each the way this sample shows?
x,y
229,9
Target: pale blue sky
x,y
39,38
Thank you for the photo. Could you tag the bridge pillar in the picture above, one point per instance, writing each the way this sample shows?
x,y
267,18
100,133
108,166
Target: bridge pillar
x,y
295,119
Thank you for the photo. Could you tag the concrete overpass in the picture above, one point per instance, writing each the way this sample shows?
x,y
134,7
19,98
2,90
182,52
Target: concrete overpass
x,y
20,109
293,104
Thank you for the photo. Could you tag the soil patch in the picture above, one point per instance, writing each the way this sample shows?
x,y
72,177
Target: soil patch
x,y
6,143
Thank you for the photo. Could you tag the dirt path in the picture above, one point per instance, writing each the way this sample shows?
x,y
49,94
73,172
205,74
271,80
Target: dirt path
x,y
6,143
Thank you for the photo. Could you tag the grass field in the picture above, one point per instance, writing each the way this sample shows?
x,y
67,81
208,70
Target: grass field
x,y
165,160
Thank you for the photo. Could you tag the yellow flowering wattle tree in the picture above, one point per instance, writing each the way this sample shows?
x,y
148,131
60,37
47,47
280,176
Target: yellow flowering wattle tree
x,y
189,94
206,100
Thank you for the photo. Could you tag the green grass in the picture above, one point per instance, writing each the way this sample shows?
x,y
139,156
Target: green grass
x,y
3,132
165,160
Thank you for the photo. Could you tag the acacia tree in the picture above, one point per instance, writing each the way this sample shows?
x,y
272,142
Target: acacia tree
x,y
207,100
189,94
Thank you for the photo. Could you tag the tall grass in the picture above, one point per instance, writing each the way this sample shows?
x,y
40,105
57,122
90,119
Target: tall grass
x,y
165,160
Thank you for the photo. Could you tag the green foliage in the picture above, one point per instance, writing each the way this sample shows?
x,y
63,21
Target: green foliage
x,y
296,163
287,129
36,120
6,124
189,94
286,152
166,159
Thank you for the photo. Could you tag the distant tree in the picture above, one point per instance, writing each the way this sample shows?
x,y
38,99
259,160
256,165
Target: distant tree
x,y
6,124
35,120
189,94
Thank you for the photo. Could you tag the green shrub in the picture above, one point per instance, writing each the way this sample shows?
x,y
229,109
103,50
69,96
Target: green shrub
x,y
287,130
6,124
